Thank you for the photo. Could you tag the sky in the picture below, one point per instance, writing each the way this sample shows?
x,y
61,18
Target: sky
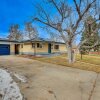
x,y
17,12
14,12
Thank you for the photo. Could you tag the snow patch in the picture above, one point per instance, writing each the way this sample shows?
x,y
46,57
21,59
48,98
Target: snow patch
x,y
21,78
9,89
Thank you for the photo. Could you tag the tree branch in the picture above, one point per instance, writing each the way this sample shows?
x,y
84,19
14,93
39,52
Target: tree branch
x,y
77,8
53,2
80,17
45,23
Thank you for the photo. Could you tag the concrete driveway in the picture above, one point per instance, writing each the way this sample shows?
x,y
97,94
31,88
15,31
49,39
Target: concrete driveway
x,y
53,82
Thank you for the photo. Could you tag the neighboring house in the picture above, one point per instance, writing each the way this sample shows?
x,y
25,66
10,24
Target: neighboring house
x,y
35,46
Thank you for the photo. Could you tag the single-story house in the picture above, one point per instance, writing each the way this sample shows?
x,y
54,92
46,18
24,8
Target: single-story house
x,y
34,46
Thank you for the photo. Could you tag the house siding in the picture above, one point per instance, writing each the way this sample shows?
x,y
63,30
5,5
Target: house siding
x,y
62,48
12,49
27,48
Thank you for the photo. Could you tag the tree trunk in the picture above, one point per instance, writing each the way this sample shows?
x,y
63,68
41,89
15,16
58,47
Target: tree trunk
x,y
71,54
81,56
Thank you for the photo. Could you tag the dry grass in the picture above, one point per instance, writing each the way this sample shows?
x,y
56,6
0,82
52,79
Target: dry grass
x,y
90,59
90,63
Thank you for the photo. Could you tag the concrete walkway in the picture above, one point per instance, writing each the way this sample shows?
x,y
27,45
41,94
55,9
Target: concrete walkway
x,y
53,82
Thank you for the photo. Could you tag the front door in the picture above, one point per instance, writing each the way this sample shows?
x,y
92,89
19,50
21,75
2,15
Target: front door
x,y
49,48
16,48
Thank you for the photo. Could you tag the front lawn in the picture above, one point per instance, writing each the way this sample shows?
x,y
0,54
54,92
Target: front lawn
x,y
90,63
90,59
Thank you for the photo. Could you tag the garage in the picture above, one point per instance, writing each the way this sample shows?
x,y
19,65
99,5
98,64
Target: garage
x,y
4,49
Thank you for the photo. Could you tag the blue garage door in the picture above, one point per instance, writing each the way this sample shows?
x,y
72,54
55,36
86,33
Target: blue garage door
x,y
4,49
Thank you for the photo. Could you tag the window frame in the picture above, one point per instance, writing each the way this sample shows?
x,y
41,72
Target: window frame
x,y
56,46
39,45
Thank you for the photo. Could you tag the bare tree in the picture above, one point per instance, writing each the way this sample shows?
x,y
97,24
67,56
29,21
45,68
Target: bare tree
x,y
15,33
31,32
53,35
67,20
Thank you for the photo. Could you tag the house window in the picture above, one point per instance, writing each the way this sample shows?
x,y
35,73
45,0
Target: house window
x,y
56,47
33,45
21,45
39,45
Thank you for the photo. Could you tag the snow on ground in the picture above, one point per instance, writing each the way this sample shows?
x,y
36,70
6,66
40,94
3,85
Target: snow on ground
x,y
21,78
9,89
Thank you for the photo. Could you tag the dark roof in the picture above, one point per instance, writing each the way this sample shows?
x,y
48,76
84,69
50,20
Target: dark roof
x,y
7,40
42,40
32,40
